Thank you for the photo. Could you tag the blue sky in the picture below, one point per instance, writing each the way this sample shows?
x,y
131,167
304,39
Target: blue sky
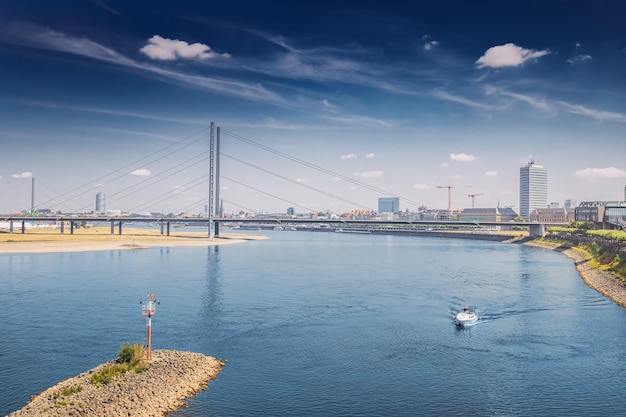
x,y
322,105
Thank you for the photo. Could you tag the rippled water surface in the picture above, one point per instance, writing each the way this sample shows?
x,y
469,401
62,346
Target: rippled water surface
x,y
327,324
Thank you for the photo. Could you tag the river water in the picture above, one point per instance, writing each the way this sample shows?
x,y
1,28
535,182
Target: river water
x,y
327,324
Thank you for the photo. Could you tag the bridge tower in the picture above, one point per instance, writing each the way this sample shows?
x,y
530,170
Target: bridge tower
x,y
211,177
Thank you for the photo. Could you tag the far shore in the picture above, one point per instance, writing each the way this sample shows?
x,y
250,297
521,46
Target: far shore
x,y
100,238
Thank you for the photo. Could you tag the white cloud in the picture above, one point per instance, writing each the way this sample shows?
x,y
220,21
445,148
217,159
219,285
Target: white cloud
x,y
456,177
24,174
370,155
445,164
171,49
537,103
348,156
593,113
508,55
491,174
461,157
300,180
428,46
579,59
369,174
421,186
141,172
462,100
610,172
28,34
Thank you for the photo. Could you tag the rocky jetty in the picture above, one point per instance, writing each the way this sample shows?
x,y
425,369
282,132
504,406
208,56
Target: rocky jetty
x,y
163,387
604,282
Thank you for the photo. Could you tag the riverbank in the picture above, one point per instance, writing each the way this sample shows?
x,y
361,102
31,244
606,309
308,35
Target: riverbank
x,y
100,238
603,282
171,378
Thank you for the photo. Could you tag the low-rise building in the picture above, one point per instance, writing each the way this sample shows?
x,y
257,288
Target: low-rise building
x,y
603,214
551,215
489,214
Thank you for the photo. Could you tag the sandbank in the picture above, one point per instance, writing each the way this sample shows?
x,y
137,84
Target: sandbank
x,y
100,238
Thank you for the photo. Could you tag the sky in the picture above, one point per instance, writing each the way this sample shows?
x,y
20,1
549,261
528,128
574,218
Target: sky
x,y
322,106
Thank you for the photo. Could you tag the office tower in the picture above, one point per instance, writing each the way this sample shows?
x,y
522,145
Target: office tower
x,y
389,205
100,203
533,188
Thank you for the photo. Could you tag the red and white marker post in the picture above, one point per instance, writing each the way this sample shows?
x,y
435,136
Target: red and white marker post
x,y
148,308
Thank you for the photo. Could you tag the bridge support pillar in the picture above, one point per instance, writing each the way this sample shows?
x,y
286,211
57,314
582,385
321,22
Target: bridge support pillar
x,y
62,227
537,230
71,227
168,228
162,226
112,227
217,229
23,227
119,228
11,226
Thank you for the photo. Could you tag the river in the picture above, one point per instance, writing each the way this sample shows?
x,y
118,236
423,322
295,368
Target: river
x,y
327,324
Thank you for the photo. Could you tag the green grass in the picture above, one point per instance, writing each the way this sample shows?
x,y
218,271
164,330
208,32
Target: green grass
x,y
131,358
66,392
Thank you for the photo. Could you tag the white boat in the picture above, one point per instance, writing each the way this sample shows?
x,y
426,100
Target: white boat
x,y
466,317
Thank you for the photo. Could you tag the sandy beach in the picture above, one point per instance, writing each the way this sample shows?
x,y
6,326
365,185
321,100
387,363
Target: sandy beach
x,y
100,238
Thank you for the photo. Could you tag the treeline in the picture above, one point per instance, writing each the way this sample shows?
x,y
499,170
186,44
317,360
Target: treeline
x,y
607,247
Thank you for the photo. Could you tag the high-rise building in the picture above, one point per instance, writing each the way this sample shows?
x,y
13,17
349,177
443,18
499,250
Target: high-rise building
x,y
533,188
100,203
388,204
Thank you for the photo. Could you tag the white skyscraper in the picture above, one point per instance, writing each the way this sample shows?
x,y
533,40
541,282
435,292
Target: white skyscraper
x,y
533,188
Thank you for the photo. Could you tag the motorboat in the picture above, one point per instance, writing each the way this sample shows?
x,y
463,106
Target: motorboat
x,y
465,317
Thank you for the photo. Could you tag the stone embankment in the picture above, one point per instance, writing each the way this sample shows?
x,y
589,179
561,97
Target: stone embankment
x,y
604,282
163,387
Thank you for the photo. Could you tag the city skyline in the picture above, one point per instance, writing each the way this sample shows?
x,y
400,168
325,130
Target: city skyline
x,y
321,107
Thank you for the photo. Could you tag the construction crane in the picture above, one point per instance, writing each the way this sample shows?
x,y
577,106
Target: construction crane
x,y
450,187
473,196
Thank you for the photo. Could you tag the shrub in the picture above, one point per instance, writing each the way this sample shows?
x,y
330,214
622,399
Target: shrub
x,y
130,358
134,355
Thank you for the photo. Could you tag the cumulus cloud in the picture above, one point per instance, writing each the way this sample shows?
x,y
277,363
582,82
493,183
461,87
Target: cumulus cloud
x,y
23,175
610,172
141,172
429,43
461,157
491,174
369,174
348,156
370,155
428,46
421,186
508,55
171,49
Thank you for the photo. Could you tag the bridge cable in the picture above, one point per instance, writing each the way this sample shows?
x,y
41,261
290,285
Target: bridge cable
x,y
295,182
317,167
271,195
132,164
